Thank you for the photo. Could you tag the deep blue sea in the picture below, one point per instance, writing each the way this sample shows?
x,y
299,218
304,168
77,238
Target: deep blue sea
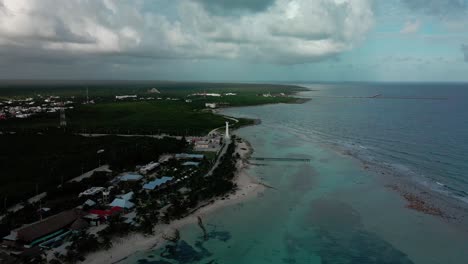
x,y
426,140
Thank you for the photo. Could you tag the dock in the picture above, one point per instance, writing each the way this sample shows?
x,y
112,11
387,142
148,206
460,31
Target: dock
x,y
380,96
280,159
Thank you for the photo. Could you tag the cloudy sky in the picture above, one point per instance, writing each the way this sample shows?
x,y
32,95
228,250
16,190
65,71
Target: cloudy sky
x,y
235,40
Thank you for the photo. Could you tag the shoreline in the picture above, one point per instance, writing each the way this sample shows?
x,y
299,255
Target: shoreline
x,y
416,195
247,188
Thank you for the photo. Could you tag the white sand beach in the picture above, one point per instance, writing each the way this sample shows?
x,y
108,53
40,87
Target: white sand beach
x,y
248,188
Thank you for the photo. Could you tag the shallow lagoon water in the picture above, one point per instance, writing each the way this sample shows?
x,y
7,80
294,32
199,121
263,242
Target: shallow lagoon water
x,y
330,210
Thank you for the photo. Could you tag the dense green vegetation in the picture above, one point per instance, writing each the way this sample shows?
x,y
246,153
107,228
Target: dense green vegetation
x,y
147,117
103,89
31,161
144,117
151,116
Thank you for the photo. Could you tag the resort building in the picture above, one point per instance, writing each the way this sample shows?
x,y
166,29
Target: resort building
x,y
202,144
122,97
129,177
211,105
189,156
157,183
41,233
96,216
191,163
92,191
213,94
123,201
149,167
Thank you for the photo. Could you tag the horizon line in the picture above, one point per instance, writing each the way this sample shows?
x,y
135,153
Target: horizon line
x,y
227,81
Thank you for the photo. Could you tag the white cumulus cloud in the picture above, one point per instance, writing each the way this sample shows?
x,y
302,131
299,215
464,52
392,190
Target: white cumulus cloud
x,y
277,31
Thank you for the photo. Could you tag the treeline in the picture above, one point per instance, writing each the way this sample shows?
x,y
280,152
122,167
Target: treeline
x,y
32,163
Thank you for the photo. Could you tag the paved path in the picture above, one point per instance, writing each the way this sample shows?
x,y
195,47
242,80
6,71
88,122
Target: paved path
x,y
90,173
230,125
221,153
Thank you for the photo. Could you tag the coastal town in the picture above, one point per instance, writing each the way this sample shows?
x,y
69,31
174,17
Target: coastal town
x,y
109,203
112,164
27,107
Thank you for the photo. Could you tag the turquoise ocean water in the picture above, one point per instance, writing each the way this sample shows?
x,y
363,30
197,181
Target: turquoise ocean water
x,y
334,209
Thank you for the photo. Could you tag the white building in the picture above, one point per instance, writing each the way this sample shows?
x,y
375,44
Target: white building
x,y
213,94
121,97
149,167
91,191
211,105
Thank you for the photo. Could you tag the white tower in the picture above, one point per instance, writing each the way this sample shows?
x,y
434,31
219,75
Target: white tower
x,y
226,134
63,119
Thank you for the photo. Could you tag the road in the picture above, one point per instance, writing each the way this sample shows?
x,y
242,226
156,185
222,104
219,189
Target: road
x,y
221,153
230,125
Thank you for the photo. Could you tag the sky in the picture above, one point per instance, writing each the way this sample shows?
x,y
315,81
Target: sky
x,y
235,40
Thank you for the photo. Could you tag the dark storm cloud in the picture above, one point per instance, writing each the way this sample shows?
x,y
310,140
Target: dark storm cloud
x,y
443,8
229,7
464,49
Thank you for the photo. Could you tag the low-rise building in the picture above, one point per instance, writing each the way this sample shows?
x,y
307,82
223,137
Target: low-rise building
x,y
165,158
130,177
189,156
122,97
95,216
149,167
191,163
211,105
41,232
157,183
123,201
92,191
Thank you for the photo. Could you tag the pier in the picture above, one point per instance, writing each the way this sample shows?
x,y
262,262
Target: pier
x,y
380,96
280,159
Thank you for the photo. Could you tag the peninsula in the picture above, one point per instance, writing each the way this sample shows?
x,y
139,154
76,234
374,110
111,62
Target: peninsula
x,y
114,171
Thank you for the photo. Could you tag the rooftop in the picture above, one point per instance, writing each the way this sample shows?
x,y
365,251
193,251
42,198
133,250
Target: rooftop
x,y
156,183
104,212
122,203
47,226
189,156
131,177
190,163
